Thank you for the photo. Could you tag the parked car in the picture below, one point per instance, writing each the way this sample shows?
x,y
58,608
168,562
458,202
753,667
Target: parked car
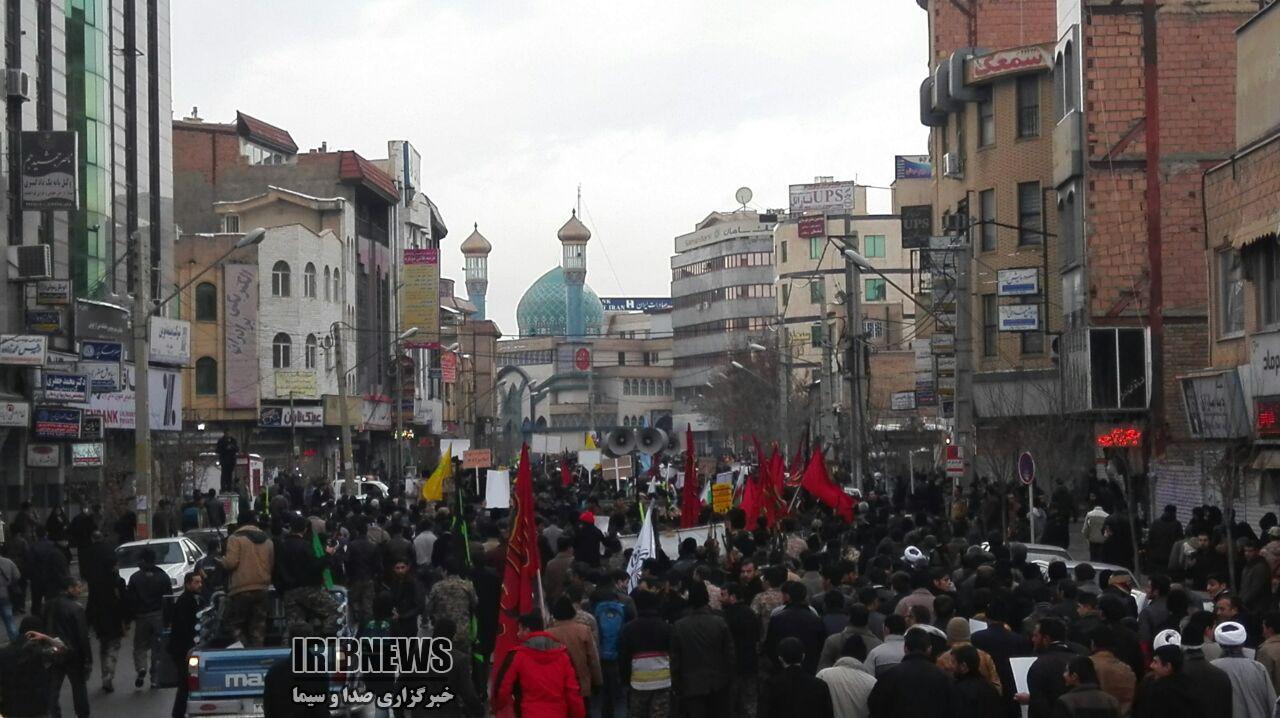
x,y
175,556
365,488
201,537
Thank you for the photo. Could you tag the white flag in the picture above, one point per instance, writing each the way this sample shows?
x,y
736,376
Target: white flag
x,y
644,549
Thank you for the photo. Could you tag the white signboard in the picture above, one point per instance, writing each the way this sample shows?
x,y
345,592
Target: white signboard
x,y
15,413
23,349
1215,406
825,198
117,407
904,400
589,459
103,376
1264,363
1018,282
377,414
89,454
457,447
497,489
544,444
170,341
286,417
44,456
1019,317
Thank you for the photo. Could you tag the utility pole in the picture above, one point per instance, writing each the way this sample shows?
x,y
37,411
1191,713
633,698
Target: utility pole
x,y
293,439
142,378
348,465
853,354
826,392
965,437
784,386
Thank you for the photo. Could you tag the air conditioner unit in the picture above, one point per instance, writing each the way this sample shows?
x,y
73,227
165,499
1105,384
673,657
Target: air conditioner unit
x,y
16,84
952,166
30,262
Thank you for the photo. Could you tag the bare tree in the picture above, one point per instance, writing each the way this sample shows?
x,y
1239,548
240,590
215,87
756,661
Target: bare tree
x,y
744,401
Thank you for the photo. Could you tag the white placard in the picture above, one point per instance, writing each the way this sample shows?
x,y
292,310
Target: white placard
x,y
15,413
456,447
1020,666
589,459
1017,282
1019,317
23,349
170,341
497,489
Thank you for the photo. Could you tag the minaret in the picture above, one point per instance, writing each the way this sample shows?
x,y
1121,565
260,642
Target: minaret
x,y
475,249
573,239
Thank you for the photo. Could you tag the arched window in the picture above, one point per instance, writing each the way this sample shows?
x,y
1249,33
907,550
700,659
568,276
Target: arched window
x,y
281,348
206,376
327,287
310,357
206,302
280,279
309,281
337,286
653,390
626,422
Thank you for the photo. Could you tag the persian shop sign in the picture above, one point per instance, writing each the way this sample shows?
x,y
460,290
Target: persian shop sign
x,y
1006,63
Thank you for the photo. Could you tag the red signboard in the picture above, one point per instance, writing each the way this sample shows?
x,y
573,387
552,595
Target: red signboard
x,y
449,367
1120,437
1004,63
582,359
1268,413
812,226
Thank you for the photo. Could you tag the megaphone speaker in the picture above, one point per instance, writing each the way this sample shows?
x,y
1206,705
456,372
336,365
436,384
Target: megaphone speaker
x,y
620,442
651,441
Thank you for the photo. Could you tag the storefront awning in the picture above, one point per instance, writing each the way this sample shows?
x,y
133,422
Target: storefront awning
x,y
1263,228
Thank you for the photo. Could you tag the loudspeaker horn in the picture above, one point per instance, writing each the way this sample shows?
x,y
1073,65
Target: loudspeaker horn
x,y
651,440
675,444
620,442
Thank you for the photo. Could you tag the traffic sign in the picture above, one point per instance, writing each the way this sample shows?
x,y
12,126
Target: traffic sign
x,y
955,462
1026,468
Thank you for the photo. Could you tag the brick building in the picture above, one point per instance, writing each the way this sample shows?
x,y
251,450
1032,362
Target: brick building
x,y
1233,404
1143,90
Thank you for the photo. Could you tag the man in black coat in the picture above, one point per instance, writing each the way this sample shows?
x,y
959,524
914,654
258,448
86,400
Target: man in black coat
x,y
1001,643
228,450
795,691
1044,679
649,638
1203,678
182,635
796,620
47,569
702,659
65,620
587,540
1163,534
915,688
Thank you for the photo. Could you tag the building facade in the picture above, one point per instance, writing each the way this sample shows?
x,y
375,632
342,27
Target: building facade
x,y
100,71
723,288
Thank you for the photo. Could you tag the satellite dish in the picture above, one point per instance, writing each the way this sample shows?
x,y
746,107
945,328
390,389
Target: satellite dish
x,y
743,195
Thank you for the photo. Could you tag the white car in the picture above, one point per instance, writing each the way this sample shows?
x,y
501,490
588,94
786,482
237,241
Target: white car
x,y
364,489
175,556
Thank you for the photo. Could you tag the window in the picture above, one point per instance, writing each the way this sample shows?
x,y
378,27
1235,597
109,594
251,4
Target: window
x,y
206,302
280,279
337,286
326,283
873,246
206,376
987,216
310,357
309,281
622,358
986,121
783,246
231,224
666,387
815,248
815,334
1231,292
281,347
1030,214
816,287
990,325
1028,91
1269,287
874,290
645,356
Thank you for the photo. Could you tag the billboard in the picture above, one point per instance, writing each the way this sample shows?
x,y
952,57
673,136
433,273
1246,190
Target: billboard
x,y
917,225
53,292
824,197
1006,63
420,300
44,321
56,422
448,367
102,351
102,321
912,167
170,341
49,167
240,366
64,387
117,407
285,417
296,383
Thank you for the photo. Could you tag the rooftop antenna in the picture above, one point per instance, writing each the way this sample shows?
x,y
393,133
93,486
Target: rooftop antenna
x,y
743,195
579,210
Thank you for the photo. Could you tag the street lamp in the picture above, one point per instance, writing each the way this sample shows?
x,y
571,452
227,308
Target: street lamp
x,y
142,312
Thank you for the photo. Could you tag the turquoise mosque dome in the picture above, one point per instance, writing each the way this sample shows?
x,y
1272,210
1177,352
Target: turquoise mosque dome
x,y
541,310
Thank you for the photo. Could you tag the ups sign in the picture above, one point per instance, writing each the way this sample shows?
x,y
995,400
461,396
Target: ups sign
x,y
917,225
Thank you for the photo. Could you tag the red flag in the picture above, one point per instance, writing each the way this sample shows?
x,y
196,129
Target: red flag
x,y
817,482
800,460
566,478
690,503
775,505
520,574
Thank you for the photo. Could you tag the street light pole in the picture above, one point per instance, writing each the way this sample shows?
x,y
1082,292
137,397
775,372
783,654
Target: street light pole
x,y
853,358
141,379
340,363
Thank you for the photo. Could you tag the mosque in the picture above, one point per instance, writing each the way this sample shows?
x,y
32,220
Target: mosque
x,y
576,367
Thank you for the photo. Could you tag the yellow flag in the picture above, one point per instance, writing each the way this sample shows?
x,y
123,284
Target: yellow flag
x,y
591,443
433,489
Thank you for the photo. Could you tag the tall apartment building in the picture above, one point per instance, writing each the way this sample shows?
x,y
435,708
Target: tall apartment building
x,y
722,291
100,71
1146,103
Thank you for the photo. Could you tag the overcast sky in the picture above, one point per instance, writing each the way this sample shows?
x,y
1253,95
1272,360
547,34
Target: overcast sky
x,y
660,110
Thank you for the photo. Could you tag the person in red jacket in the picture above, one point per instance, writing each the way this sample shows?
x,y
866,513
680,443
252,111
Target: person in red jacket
x,y
538,676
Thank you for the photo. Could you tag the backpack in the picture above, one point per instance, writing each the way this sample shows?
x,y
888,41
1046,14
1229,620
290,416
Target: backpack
x,y
610,615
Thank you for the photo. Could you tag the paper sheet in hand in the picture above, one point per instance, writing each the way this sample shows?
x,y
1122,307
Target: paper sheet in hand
x,y
1020,665
975,625
497,490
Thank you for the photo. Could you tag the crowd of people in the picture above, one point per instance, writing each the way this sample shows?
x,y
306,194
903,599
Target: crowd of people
x,y
913,609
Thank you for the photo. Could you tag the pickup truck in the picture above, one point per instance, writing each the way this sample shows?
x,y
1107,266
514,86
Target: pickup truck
x,y
224,681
